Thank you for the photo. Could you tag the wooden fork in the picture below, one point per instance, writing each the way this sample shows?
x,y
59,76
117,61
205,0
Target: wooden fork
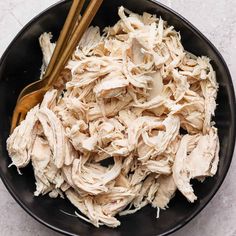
x,y
69,38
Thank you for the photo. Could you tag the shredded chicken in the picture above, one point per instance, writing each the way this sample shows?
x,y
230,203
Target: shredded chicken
x,y
129,123
47,50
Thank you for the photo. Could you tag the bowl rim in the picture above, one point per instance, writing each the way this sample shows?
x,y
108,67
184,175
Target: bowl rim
x,y
233,115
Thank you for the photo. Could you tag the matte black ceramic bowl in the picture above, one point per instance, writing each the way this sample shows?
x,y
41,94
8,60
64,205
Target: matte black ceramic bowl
x,y
21,64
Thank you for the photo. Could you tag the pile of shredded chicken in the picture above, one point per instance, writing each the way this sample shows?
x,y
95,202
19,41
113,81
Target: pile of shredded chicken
x,y
128,124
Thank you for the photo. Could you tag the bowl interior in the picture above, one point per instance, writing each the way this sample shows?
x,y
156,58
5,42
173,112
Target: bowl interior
x,y
21,64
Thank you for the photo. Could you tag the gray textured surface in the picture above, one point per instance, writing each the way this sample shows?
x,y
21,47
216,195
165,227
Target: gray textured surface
x,y
217,20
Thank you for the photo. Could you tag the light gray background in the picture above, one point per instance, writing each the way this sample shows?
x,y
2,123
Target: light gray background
x,y
217,20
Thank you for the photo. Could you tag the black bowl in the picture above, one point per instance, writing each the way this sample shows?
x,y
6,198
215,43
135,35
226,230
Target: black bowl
x,y
20,65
